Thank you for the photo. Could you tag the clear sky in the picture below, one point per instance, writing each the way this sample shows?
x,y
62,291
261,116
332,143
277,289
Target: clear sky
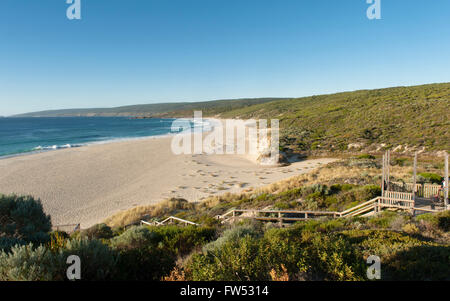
x,y
142,51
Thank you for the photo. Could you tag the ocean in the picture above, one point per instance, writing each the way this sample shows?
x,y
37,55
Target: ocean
x,y
27,135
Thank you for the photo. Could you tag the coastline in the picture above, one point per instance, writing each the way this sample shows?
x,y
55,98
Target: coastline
x,y
115,140
88,184
40,149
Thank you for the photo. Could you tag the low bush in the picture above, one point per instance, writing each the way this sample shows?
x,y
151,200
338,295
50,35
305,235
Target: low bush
x,y
232,235
145,263
6,243
135,238
428,177
150,253
26,263
309,256
238,260
439,221
99,231
182,240
366,156
22,217
98,261
383,220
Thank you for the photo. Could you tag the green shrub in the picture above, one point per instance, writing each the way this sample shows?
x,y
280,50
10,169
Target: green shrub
x,y
231,235
23,217
144,263
403,257
98,261
444,221
428,177
26,263
366,156
140,258
335,188
309,254
238,260
182,240
281,205
439,220
134,238
6,243
428,217
149,253
305,255
400,161
383,220
99,231
419,263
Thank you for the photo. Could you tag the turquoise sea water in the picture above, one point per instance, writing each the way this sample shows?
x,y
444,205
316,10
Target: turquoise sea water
x,y
25,135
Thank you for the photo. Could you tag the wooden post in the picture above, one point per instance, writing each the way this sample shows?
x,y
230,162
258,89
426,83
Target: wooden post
x,y
280,219
414,179
446,182
382,179
388,168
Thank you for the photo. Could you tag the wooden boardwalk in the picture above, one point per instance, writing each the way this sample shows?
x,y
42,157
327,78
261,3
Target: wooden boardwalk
x,y
169,221
391,200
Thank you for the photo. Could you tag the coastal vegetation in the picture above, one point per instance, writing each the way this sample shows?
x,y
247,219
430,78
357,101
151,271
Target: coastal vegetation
x,y
158,110
406,119
355,126
411,248
333,187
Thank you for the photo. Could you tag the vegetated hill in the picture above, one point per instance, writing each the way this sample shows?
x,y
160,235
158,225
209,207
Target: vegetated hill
x,y
184,109
416,116
413,117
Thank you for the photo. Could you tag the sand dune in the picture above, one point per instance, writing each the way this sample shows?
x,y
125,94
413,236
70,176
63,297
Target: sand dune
x,y
87,184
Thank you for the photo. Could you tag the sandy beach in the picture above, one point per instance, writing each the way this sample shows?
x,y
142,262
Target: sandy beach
x,y
87,184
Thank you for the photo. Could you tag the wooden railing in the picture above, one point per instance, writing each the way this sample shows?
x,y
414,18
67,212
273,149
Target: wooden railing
x,y
427,190
69,228
398,200
274,215
360,209
394,199
293,215
422,190
169,220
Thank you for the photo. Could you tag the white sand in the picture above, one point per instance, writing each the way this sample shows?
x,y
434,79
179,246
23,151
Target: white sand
x,y
88,184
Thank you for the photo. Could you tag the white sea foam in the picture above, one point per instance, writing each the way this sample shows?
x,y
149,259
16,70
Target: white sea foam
x,y
53,147
199,126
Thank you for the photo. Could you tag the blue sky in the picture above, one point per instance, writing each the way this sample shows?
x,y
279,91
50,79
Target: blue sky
x,y
141,51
